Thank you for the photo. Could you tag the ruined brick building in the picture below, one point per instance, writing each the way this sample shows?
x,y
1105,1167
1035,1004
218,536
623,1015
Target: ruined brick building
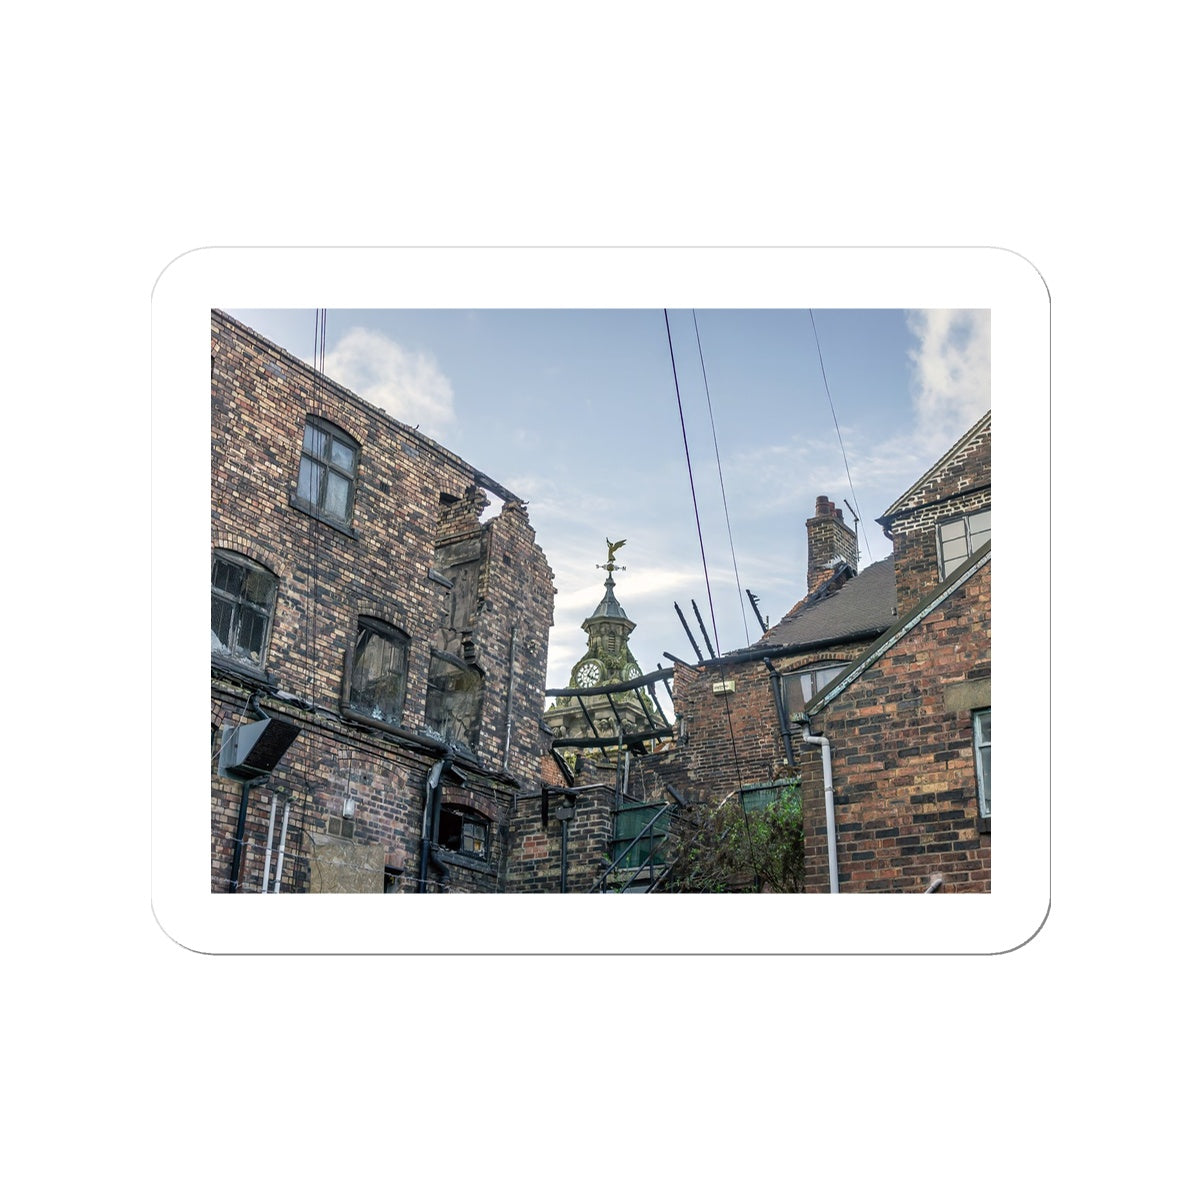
x,y
378,648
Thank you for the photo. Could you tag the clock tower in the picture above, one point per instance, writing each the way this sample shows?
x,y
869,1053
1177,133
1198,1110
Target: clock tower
x,y
605,662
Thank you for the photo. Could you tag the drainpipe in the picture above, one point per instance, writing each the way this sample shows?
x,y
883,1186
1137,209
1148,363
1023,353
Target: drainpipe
x,y
287,808
433,803
785,728
830,821
512,662
270,841
236,868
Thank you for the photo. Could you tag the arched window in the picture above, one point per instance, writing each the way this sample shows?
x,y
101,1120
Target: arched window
x,y
463,831
243,603
377,672
328,469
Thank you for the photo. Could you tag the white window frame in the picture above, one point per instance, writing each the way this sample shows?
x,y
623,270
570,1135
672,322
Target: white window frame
x,y
812,678
969,531
981,737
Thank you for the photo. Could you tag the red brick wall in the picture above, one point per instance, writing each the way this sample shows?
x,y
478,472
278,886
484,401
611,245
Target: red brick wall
x,y
903,760
959,485
327,578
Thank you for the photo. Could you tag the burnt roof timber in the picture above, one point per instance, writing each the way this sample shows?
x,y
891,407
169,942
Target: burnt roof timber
x,y
625,685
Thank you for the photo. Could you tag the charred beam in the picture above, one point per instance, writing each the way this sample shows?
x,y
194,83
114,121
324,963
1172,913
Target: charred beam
x,y
700,620
687,630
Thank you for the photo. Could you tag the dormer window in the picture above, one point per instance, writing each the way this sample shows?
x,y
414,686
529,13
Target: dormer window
x,y
328,468
960,538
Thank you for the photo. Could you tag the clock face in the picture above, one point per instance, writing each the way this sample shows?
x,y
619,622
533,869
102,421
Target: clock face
x,y
632,671
588,675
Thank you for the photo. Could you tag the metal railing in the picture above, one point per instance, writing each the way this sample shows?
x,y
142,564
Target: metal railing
x,y
601,884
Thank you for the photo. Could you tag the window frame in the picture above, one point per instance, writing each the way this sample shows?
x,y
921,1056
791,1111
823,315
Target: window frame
x,y
242,604
628,821
356,705
322,465
466,818
981,744
973,538
809,672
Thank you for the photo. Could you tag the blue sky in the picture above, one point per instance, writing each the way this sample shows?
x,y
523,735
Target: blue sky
x,y
575,410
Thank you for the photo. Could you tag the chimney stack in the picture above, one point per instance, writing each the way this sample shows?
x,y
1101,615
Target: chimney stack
x,y
830,542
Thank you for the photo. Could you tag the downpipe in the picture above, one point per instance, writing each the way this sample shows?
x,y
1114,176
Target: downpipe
x,y
812,739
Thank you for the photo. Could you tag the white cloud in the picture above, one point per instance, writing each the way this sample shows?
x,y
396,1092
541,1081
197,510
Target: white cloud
x,y
406,384
952,371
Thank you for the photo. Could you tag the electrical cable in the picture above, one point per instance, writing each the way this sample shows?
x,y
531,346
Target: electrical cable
x,y
721,477
836,426
708,586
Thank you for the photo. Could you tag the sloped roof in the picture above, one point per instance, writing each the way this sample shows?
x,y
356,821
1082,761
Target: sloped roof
x,y
899,629
863,606
609,607
925,490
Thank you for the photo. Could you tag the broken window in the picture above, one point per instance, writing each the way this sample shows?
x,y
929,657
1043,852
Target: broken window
x,y
243,600
377,672
960,538
799,687
454,699
464,831
328,465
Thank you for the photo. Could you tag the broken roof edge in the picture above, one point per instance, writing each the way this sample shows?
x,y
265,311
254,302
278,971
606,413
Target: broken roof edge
x,y
319,377
897,632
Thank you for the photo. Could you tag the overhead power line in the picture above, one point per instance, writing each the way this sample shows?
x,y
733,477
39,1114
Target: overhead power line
x,y
836,426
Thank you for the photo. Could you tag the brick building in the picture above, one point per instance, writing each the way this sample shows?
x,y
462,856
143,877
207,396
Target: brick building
x,y
378,674
378,648
872,695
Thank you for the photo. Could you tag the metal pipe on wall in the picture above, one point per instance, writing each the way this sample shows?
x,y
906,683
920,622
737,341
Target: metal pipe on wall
x,y
830,821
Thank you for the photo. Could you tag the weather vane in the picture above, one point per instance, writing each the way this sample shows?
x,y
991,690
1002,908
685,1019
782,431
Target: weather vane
x,y
611,565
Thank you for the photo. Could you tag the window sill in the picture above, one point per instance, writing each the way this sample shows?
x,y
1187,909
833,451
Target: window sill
x,y
309,511
469,862
358,718
224,665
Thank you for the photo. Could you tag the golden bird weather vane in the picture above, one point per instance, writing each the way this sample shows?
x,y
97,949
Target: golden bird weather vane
x,y
611,565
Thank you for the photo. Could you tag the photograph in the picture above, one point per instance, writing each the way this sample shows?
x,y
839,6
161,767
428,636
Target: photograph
x,y
601,601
